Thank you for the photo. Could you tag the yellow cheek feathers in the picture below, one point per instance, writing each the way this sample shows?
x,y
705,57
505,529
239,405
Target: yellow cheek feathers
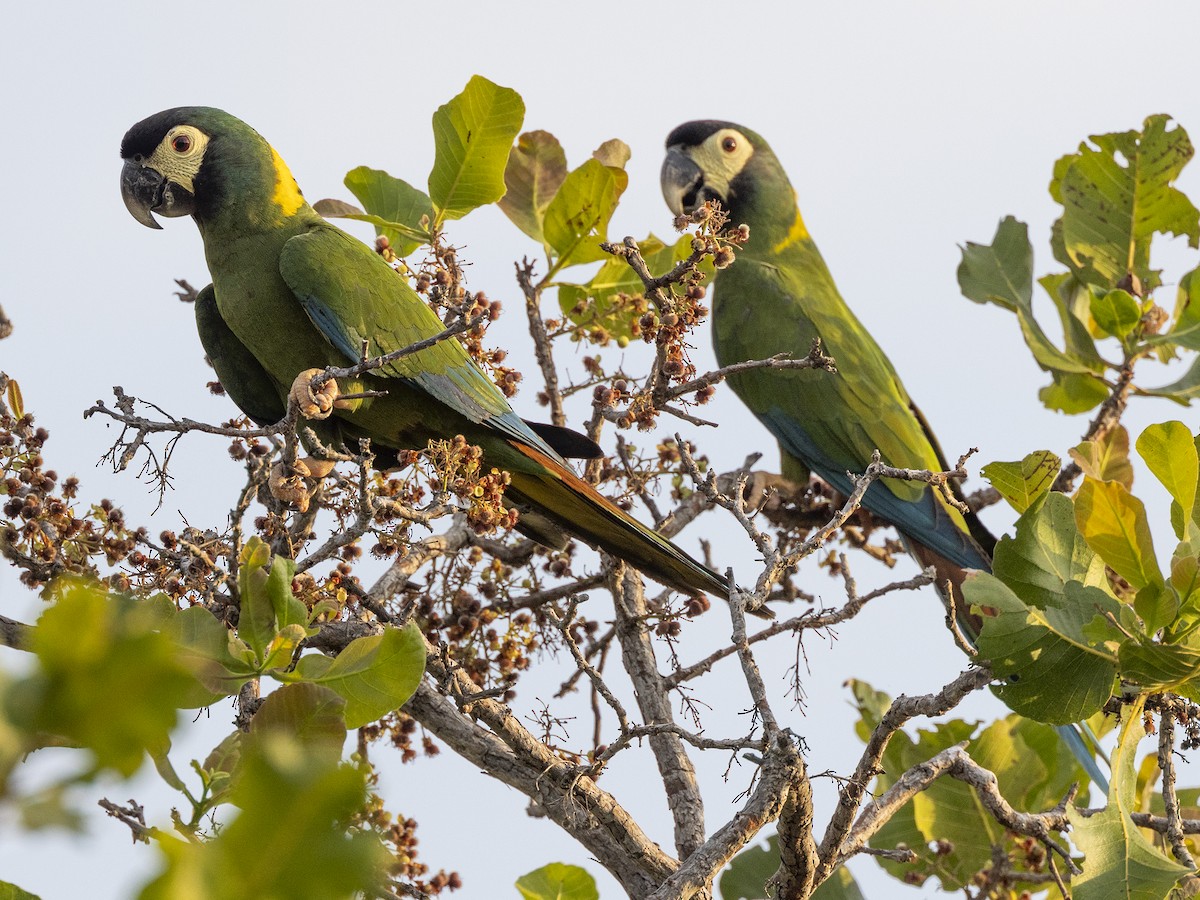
x,y
287,194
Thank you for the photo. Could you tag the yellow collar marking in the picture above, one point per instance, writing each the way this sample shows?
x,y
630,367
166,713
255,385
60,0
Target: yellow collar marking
x,y
287,194
798,232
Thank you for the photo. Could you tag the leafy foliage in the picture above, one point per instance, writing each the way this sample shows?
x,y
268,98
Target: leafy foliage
x,y
1119,861
1116,196
556,881
1080,615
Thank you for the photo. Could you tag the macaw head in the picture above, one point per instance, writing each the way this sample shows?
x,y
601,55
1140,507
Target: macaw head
x,y
200,161
713,160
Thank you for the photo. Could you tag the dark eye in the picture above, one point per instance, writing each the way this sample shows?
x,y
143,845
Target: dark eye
x,y
181,143
729,144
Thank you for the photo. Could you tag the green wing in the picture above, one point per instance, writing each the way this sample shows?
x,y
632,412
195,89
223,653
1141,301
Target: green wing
x,y
240,373
830,423
847,416
355,300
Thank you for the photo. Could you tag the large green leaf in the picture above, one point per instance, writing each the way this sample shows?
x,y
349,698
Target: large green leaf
x,y
558,881
1120,863
107,678
1021,483
1156,666
311,713
375,674
536,170
1183,390
576,220
221,662
1107,458
946,826
1117,194
746,877
1002,273
1114,524
1169,449
9,891
399,211
473,135
1051,671
1072,393
1046,553
294,834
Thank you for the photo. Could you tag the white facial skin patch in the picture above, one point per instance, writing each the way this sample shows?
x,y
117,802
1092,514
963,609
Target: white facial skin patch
x,y
722,157
178,157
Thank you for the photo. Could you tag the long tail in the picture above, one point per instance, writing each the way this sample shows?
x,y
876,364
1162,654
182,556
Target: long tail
x,y
566,499
1079,738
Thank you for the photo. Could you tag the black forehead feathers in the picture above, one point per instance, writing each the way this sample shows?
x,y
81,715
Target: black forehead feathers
x,y
693,134
146,135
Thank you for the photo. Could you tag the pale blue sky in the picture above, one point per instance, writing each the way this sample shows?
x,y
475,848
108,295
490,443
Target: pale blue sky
x,y
907,129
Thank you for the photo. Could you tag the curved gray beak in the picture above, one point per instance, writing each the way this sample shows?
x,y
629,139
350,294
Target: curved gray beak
x,y
682,181
146,191
142,190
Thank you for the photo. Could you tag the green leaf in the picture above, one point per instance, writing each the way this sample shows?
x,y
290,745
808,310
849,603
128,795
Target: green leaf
x,y
598,303
375,674
311,713
1182,391
295,834
1156,666
16,404
1116,312
1157,605
1048,754
1185,325
1120,862
1021,483
288,609
536,169
614,152
1169,450
1002,272
558,881
208,648
1072,393
1114,524
473,135
106,679
747,875
1117,195
1106,459
1046,554
272,620
256,619
1052,672
1073,301
10,891
392,205
576,220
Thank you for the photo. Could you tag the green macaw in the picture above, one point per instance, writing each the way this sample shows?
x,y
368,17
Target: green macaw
x,y
290,292
778,297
